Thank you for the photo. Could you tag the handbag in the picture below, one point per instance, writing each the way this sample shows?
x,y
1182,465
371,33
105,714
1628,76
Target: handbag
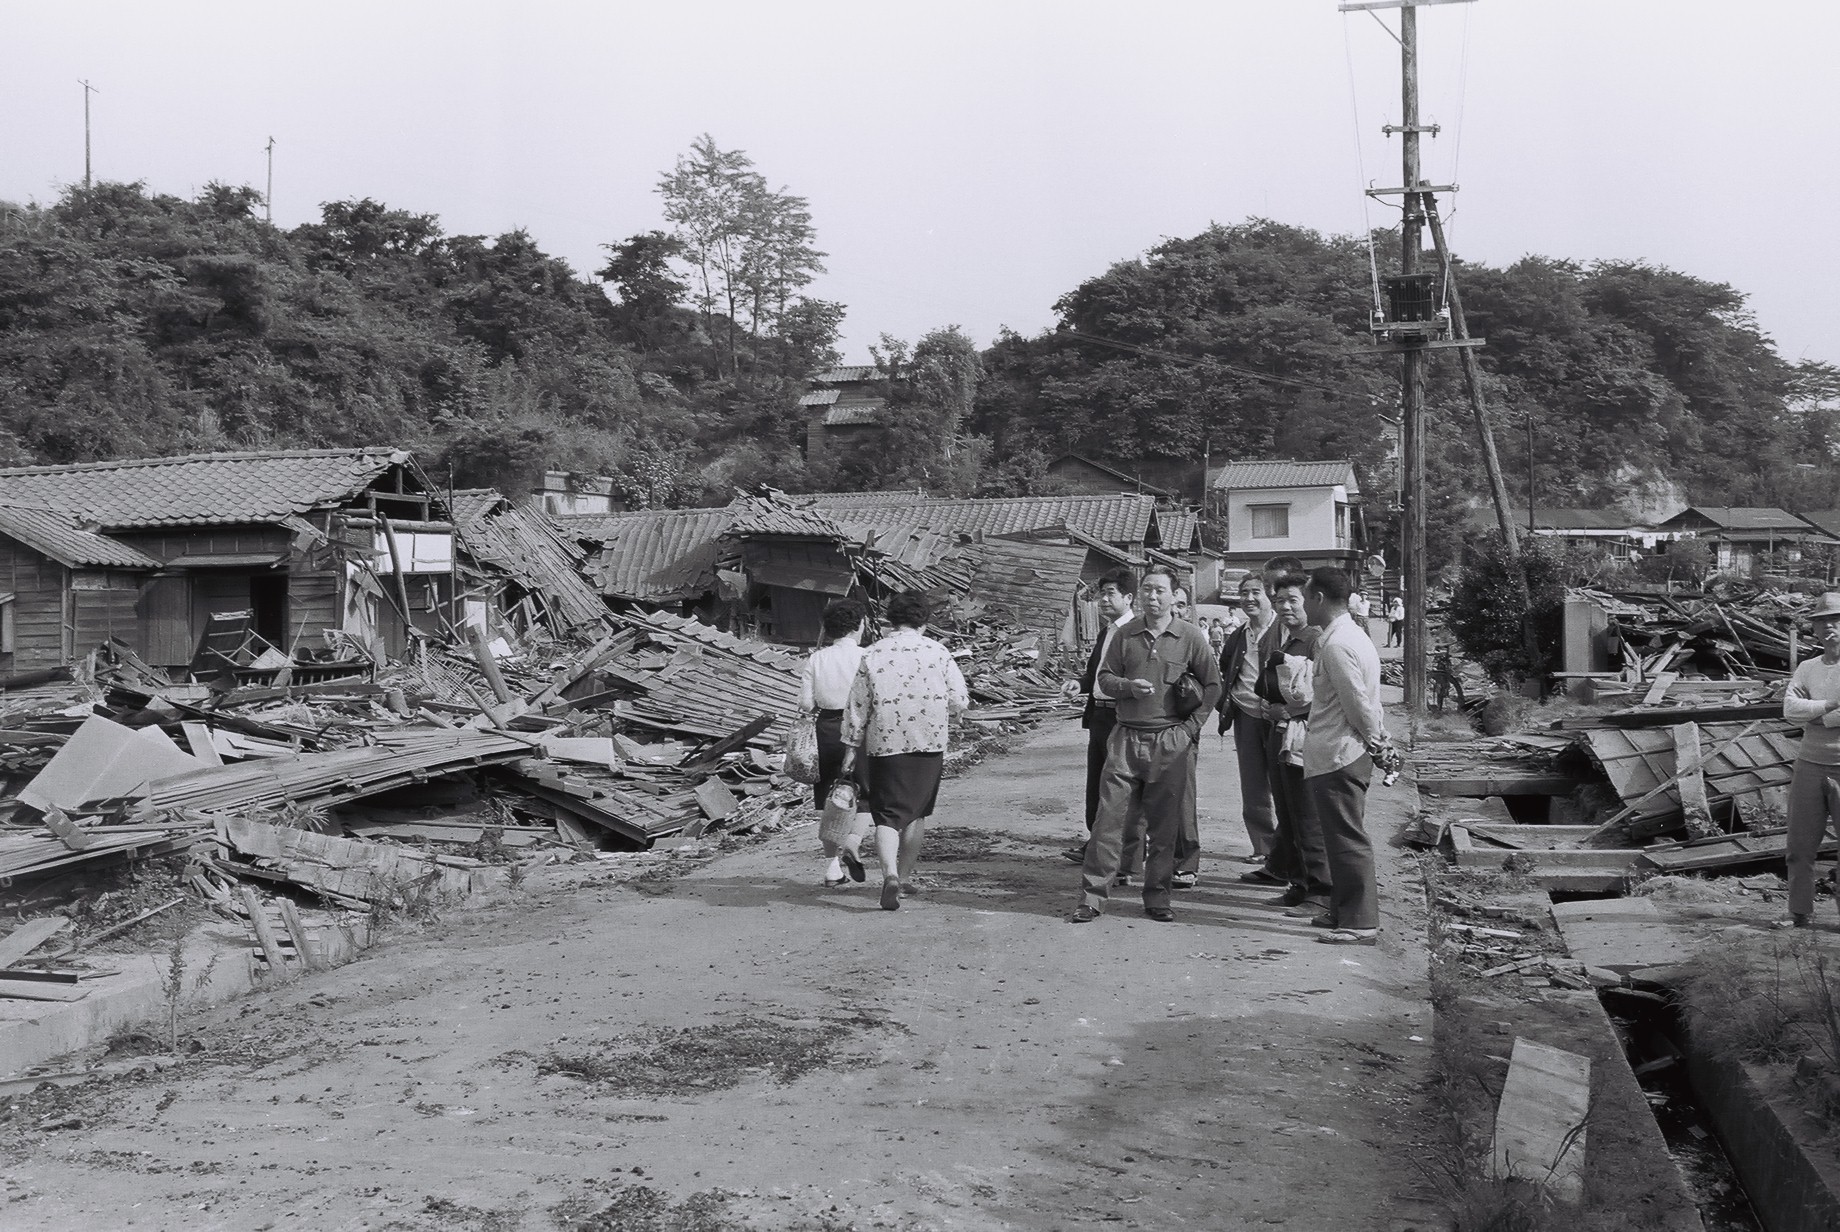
x,y
801,748
839,814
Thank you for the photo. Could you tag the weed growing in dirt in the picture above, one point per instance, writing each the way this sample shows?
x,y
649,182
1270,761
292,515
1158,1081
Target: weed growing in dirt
x,y
1770,1002
695,1060
417,899
173,986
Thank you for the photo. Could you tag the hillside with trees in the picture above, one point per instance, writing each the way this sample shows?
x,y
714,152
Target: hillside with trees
x,y
136,323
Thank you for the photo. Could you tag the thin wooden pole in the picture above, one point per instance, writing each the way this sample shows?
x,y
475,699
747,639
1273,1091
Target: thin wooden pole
x,y
1413,381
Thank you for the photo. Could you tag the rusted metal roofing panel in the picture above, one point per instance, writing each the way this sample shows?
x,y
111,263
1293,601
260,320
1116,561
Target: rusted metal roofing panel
x,y
204,489
1237,476
61,537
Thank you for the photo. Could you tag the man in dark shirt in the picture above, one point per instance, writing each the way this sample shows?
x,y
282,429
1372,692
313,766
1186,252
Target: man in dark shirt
x,y
1162,672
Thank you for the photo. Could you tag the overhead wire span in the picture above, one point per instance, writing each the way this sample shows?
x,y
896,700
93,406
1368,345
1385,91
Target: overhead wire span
x,y
1360,161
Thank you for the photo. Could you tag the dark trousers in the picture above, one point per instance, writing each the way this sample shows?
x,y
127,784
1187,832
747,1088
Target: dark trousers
x,y
1340,797
1255,806
1098,735
1151,773
1297,855
1814,800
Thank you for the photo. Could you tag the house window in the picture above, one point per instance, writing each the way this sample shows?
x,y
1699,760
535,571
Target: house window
x,y
1341,525
6,624
1270,521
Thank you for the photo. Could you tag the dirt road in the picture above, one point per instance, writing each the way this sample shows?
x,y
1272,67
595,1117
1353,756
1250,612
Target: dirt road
x,y
742,1048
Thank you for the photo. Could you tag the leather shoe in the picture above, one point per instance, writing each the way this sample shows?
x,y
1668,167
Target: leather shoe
x,y
891,894
1184,881
853,864
1162,915
1258,876
1308,909
1075,855
1083,914
1290,898
1325,920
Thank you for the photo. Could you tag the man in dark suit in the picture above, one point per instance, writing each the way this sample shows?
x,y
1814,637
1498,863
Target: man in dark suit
x,y
1240,662
1116,592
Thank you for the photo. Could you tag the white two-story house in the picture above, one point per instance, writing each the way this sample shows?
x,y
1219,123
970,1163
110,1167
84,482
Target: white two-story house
x,y
1309,510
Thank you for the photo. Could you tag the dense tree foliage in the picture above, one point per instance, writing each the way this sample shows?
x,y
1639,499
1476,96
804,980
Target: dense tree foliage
x,y
139,323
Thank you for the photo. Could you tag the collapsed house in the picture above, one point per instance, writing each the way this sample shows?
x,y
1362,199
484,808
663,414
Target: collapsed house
x,y
194,561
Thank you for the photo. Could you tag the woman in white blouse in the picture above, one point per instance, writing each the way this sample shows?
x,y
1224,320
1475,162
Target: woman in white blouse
x,y
825,689
905,692
1813,700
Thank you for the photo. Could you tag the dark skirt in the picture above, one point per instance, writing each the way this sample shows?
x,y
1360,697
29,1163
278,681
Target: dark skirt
x,y
904,787
830,760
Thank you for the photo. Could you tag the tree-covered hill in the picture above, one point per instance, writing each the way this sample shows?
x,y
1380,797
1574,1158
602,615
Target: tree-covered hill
x,y
138,323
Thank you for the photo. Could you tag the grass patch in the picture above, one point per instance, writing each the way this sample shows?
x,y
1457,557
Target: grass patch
x,y
1774,1002
697,1060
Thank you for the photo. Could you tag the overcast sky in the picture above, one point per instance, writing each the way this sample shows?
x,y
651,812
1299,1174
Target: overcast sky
x,y
970,162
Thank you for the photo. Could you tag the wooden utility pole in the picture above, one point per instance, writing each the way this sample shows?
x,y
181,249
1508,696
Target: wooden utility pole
x,y
88,90
1472,377
268,198
1412,343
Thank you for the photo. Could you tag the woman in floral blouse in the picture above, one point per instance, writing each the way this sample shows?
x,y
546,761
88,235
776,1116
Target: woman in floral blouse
x,y
905,691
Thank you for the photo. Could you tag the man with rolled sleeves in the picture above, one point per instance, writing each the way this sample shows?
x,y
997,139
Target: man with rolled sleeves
x,y
1346,722
1163,673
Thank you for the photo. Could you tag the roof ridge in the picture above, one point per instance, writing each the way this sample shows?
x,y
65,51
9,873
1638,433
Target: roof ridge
x,y
180,459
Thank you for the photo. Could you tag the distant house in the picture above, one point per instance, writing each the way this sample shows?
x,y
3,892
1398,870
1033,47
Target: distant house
x,y
1741,538
843,409
1078,473
1309,510
158,551
568,494
1611,530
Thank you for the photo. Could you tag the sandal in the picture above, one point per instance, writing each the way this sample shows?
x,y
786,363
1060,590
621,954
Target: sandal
x,y
831,883
854,864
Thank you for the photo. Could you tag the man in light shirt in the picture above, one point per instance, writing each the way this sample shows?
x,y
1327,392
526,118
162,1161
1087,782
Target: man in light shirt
x,y
1116,592
1345,723
1813,700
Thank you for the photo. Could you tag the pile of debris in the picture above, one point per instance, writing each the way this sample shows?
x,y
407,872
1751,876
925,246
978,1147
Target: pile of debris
x,y
426,782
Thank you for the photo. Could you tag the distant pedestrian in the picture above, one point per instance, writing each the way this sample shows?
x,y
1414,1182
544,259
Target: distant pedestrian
x,y
1165,679
825,689
896,719
1396,621
1346,725
1813,700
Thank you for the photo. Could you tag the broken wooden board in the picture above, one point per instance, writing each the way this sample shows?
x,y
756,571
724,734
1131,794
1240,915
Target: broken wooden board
x,y
1620,934
1544,855
1500,785
348,868
1540,1122
1735,761
1727,851
715,799
28,937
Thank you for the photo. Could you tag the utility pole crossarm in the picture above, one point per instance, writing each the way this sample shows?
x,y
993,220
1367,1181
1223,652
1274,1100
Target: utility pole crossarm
x,y
1355,6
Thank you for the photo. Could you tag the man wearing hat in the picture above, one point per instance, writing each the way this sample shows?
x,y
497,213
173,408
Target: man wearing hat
x,y
1813,700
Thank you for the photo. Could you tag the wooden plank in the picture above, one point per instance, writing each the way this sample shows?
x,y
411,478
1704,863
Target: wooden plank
x,y
1659,689
1500,785
297,933
715,799
265,936
28,937
1691,777
1620,934
1540,1122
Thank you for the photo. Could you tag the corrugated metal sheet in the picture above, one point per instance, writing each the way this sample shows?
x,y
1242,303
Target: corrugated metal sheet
x,y
59,536
204,489
661,555
1238,476
820,397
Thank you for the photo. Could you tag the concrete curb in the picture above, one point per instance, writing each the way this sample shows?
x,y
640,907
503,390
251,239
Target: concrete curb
x,y
219,966
1790,1188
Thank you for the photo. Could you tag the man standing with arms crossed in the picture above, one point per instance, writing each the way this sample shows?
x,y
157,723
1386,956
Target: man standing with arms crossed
x,y
1346,725
1241,709
1163,674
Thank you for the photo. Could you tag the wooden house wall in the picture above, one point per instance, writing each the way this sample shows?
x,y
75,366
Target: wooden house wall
x,y
103,603
39,586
